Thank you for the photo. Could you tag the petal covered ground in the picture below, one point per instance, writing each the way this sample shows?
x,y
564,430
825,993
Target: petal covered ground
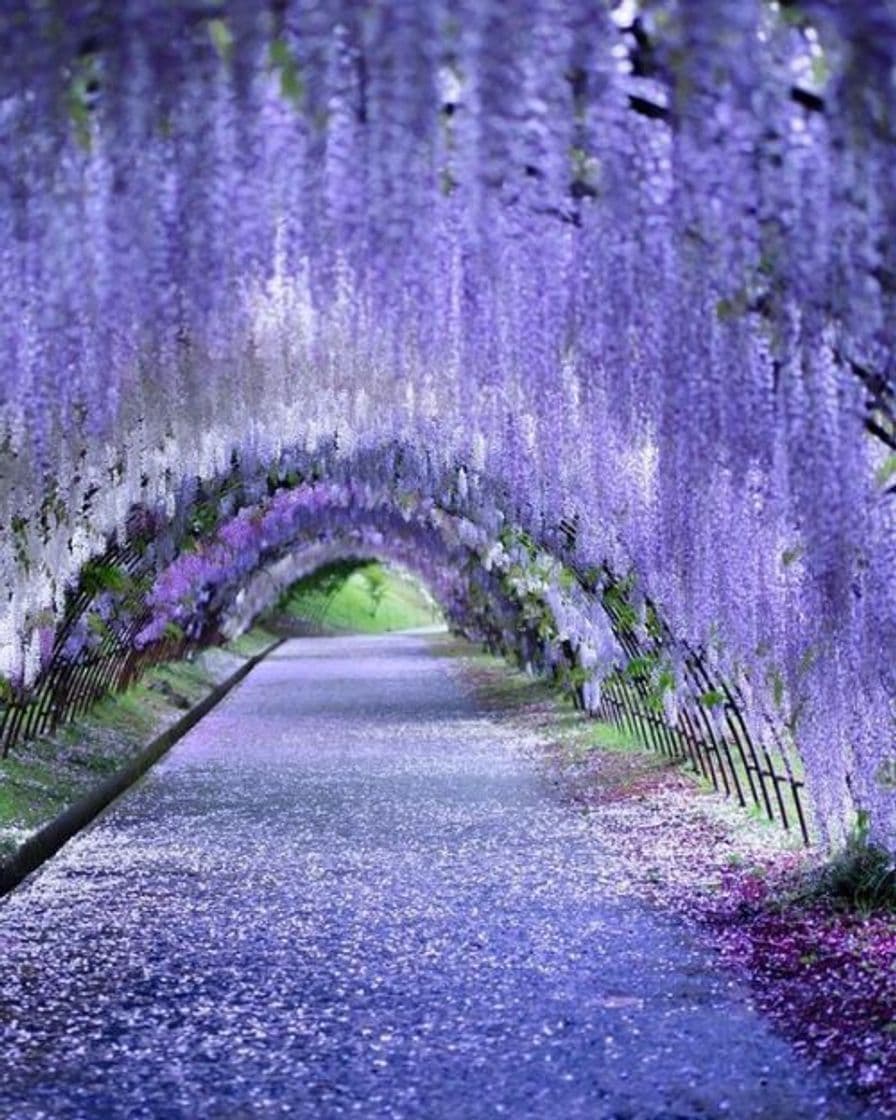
x,y
351,891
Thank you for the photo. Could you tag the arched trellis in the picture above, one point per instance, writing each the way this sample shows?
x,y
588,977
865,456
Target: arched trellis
x,y
708,728
113,602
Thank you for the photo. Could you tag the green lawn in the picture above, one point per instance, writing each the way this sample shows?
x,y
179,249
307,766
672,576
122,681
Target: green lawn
x,y
40,778
369,598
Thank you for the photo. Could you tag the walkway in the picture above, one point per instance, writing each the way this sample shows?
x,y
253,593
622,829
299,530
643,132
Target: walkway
x,y
346,893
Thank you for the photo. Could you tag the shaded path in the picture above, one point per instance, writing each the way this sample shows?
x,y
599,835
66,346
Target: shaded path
x,y
346,893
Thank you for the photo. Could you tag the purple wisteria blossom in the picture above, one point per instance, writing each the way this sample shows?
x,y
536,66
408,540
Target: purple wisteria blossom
x,y
634,278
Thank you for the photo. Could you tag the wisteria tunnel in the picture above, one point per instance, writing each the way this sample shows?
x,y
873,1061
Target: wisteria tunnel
x,y
581,310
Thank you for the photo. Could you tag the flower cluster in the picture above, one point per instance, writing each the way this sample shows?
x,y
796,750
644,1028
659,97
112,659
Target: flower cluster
x,y
638,282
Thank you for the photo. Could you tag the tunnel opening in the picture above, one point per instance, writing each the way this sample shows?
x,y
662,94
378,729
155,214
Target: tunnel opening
x,y
356,595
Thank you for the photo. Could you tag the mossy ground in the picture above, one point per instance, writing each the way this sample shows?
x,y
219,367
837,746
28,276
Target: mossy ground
x,y
41,778
372,598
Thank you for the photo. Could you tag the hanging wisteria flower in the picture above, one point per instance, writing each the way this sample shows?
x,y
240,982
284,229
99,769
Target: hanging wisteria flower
x,y
626,291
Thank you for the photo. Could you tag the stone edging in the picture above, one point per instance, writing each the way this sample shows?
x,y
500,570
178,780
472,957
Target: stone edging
x,y
50,838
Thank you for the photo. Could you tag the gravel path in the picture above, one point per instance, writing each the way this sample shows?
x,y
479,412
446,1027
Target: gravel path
x,y
348,893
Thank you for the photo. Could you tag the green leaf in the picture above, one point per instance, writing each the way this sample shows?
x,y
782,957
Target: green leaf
x,y
98,576
712,698
19,526
577,676
821,69
79,113
652,622
732,307
205,518
639,667
665,681
567,579
282,60
77,98
619,609
790,555
886,471
96,625
221,37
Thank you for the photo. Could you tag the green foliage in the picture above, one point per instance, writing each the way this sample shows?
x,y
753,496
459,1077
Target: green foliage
x,y
52,509
790,555
572,677
19,527
251,642
821,69
205,518
375,580
567,579
96,625
862,876
653,624
7,692
222,38
592,577
732,307
640,667
283,62
359,596
279,481
807,659
886,472
513,537
77,98
712,698
98,576
607,736
615,598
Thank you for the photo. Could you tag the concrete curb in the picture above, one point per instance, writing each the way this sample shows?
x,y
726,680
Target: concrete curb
x,y
38,848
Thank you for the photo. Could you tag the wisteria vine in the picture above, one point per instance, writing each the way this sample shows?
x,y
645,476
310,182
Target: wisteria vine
x,y
622,273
